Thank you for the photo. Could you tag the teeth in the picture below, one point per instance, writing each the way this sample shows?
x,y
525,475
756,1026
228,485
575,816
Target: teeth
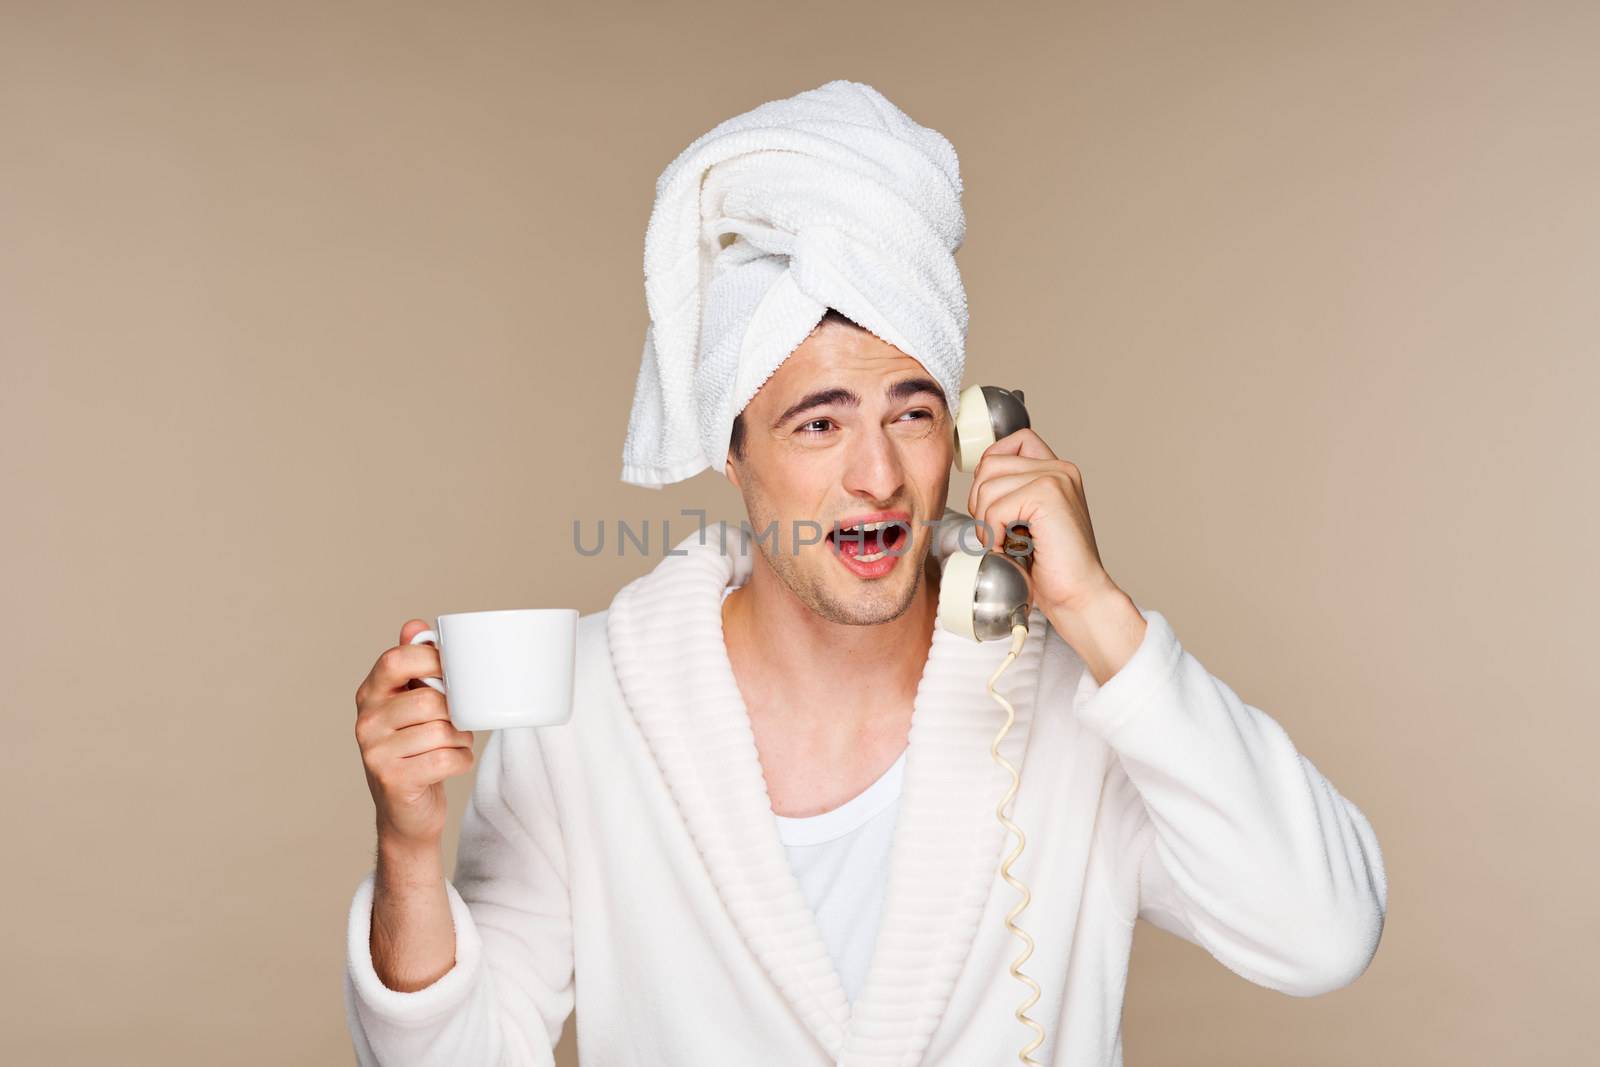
x,y
861,530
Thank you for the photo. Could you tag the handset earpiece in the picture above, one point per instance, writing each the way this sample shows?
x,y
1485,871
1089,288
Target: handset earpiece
x,y
984,597
986,414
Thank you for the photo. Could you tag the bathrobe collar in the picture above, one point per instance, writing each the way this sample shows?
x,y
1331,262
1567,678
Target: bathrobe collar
x,y
666,640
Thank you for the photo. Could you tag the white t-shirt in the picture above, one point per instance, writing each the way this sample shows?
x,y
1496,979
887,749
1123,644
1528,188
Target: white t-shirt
x,y
841,859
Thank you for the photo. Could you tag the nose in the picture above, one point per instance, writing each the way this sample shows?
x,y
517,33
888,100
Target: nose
x,y
874,470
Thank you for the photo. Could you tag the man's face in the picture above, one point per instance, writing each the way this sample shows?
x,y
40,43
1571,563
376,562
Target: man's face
x,y
848,431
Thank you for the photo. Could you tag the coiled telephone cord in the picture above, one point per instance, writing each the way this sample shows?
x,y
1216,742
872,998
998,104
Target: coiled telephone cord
x,y
1019,634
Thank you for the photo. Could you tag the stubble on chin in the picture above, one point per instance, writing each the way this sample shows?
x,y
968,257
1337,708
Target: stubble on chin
x,y
868,610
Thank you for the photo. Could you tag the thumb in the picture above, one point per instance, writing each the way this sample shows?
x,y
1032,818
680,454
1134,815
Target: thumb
x,y
412,628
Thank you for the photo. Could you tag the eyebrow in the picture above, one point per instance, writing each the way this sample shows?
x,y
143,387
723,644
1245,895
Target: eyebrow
x,y
904,389
910,387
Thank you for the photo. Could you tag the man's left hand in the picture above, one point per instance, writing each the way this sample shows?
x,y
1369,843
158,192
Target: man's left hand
x,y
1020,480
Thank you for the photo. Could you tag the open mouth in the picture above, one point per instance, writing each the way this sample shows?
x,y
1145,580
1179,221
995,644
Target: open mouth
x,y
863,542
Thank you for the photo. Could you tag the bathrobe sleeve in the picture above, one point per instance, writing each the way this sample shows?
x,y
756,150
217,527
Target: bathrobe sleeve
x,y
511,989
1242,847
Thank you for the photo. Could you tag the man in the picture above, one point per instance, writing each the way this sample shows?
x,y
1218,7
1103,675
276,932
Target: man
x,y
641,863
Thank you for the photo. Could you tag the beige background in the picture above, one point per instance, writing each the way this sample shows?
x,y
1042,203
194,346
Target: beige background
x,y
317,317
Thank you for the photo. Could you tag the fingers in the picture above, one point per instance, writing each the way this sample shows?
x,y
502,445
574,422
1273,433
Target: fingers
x,y
1009,463
410,629
437,764
424,737
394,770
1016,506
388,751
407,708
1001,475
396,668
1024,442
984,494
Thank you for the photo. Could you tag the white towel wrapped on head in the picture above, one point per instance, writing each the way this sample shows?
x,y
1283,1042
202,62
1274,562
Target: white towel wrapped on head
x,y
830,198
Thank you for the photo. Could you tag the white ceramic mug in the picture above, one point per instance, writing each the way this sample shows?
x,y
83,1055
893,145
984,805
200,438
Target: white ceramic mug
x,y
505,669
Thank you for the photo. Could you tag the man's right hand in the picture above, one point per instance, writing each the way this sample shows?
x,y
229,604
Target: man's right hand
x,y
408,744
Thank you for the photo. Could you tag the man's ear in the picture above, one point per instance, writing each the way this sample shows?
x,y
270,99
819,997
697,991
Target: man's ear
x,y
733,474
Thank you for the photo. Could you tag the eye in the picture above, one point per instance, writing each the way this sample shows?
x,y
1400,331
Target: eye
x,y
817,426
917,420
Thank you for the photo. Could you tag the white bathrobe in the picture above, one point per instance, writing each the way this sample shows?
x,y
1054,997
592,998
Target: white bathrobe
x,y
628,863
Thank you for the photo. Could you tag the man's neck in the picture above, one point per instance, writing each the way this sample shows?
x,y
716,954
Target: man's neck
x,y
831,681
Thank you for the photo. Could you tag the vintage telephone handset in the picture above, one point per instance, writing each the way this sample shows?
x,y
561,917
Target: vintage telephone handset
x,y
987,597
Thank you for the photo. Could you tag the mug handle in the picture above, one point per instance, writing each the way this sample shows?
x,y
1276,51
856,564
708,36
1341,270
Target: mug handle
x,y
428,637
